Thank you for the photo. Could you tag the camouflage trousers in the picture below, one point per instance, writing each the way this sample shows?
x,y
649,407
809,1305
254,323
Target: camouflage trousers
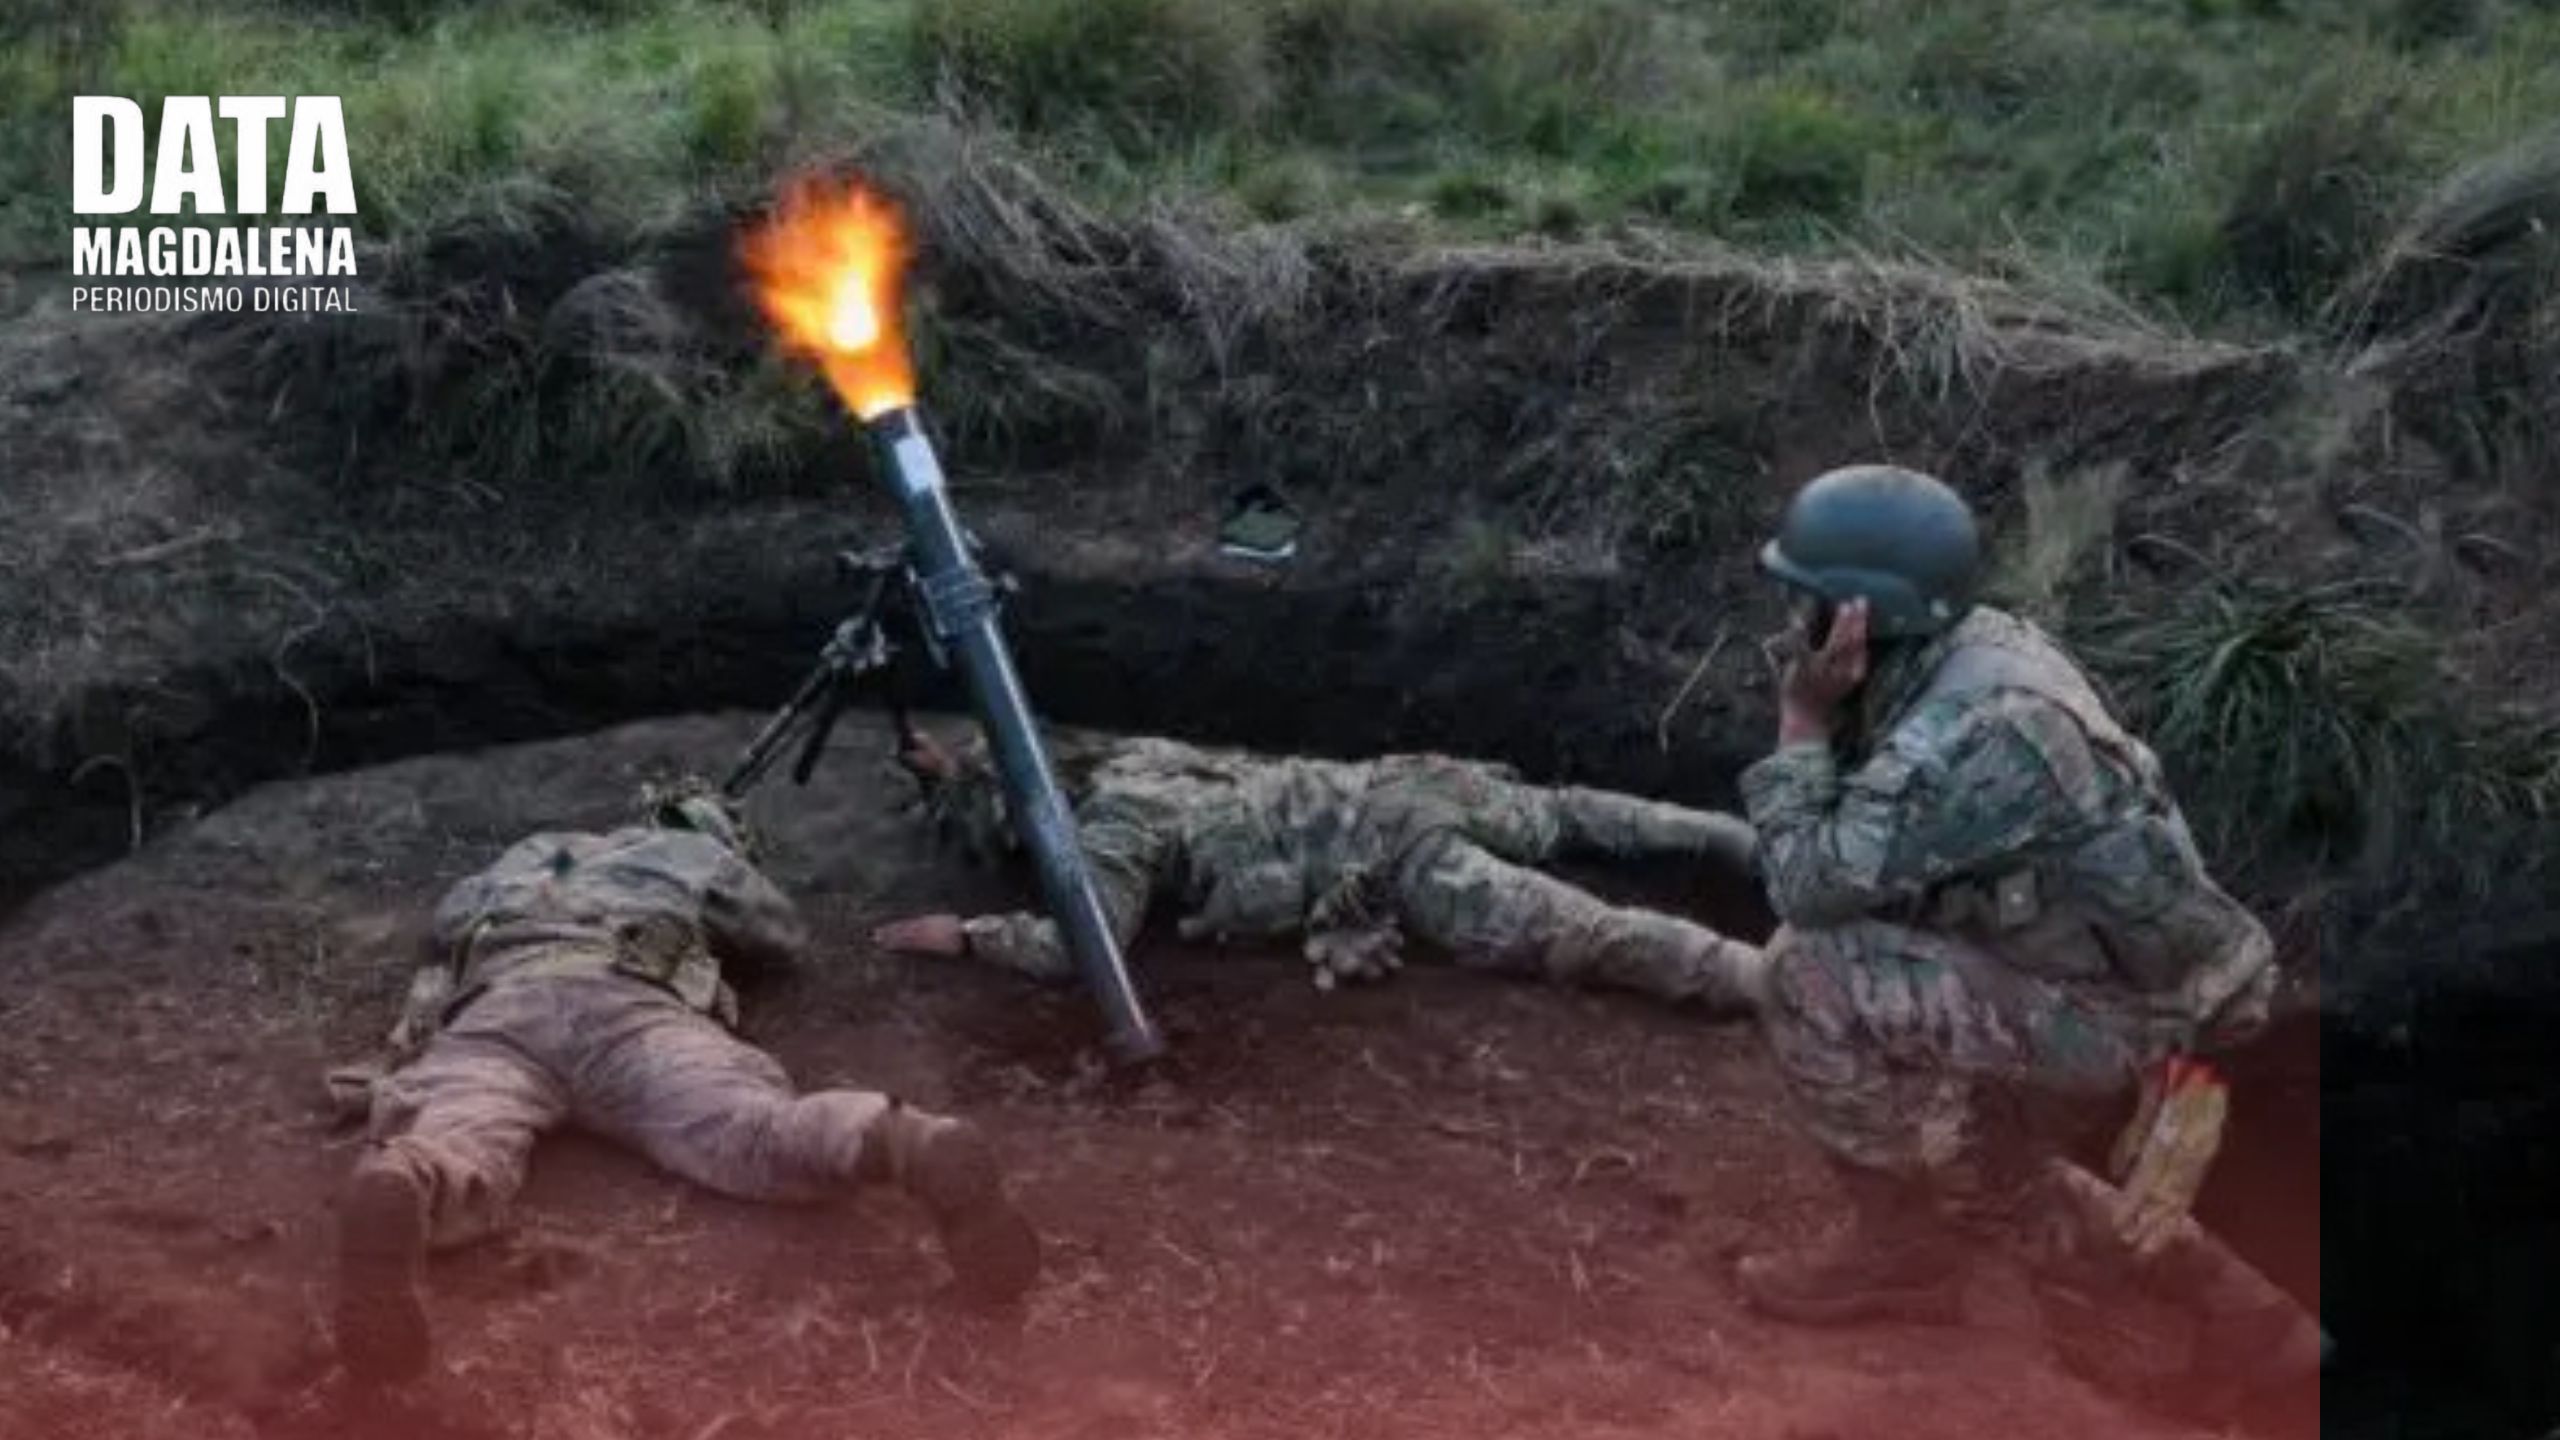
x,y
1912,1052
622,1059
1490,914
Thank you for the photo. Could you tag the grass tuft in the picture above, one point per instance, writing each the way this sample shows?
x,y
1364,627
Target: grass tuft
x,y
2462,309
2314,199
2320,722
2148,142
1140,74
524,347
1799,151
2067,520
1381,76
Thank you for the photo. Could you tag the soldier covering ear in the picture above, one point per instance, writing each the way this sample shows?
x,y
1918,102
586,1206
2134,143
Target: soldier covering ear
x,y
1988,898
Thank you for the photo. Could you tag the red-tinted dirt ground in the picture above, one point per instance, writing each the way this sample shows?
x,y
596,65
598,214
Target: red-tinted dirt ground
x,y
1445,1207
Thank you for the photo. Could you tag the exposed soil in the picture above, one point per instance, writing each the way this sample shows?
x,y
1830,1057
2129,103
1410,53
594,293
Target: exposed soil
x,y
1442,1207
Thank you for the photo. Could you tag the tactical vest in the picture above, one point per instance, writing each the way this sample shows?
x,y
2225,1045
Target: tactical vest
x,y
663,950
2126,894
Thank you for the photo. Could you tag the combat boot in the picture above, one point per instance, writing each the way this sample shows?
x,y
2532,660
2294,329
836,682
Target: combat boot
x,y
382,1246
950,1169
2256,1351
2248,1350
1896,1260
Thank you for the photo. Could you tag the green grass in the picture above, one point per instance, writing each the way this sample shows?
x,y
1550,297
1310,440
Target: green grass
x,y
2324,722
2222,160
635,111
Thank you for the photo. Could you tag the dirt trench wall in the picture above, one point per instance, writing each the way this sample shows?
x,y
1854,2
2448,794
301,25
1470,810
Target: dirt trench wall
x,y
1325,667
1534,481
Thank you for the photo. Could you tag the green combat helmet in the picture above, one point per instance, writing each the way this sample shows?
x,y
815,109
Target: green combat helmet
x,y
1901,541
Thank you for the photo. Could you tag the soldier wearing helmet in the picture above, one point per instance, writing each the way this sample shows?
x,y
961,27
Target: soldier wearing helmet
x,y
1993,918
579,978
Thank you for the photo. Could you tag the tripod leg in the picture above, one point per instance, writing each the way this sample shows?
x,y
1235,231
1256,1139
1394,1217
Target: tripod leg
x,y
837,698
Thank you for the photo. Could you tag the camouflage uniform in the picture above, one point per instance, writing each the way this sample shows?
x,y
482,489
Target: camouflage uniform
x,y
579,980
1993,918
1349,854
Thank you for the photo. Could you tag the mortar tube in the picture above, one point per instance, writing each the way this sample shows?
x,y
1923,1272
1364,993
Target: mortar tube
x,y
959,604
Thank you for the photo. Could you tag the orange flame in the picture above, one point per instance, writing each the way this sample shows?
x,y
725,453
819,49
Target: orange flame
x,y
826,268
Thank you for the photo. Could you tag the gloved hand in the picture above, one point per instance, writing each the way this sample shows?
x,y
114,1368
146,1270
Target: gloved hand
x,y
962,812
926,758
1351,936
350,1090
1372,952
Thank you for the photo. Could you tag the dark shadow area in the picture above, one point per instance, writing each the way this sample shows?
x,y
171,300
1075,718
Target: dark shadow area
x,y
2442,1168
1337,669
2265,1195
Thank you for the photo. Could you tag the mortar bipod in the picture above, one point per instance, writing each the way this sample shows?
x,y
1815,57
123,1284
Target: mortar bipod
x,y
860,648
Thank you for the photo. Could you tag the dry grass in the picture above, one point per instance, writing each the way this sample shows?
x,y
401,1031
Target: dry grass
x,y
528,350
2462,311
519,343
2066,522
51,1389
2314,198
128,1331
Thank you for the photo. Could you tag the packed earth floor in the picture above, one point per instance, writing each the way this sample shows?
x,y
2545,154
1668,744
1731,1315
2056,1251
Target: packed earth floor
x,y
1447,1206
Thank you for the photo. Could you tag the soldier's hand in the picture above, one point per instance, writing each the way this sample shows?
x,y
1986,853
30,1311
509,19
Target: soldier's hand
x,y
925,758
1353,956
923,935
350,1090
1812,690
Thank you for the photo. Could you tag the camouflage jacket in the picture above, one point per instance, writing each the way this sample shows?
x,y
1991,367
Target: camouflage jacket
x,y
1266,847
1994,797
666,907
